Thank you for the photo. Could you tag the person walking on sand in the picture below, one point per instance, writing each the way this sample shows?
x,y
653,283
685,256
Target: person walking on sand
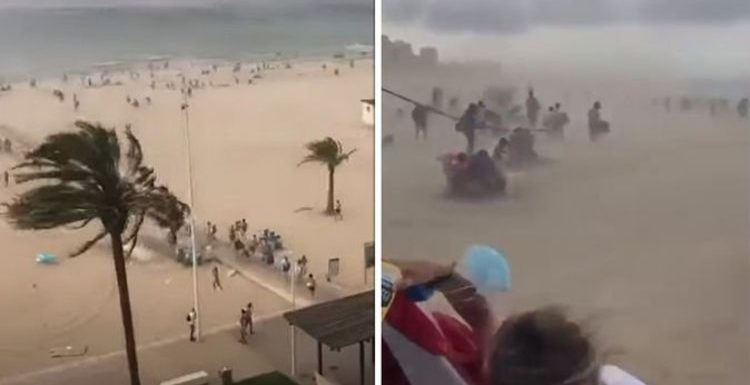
x,y
191,319
310,284
243,326
419,116
216,284
467,125
338,215
532,108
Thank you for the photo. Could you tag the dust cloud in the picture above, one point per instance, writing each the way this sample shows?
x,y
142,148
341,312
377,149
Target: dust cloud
x,y
645,232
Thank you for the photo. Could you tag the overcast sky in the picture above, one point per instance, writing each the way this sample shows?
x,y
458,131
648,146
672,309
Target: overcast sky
x,y
682,38
505,16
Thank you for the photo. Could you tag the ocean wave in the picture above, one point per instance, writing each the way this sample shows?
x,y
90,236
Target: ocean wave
x,y
359,47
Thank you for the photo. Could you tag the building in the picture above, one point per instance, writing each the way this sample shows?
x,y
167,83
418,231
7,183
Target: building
x,y
368,111
429,56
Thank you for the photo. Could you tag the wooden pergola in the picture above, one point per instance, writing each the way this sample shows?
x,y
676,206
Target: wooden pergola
x,y
339,323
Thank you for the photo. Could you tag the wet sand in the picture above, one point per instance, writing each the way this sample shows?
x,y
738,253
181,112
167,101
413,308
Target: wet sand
x,y
645,234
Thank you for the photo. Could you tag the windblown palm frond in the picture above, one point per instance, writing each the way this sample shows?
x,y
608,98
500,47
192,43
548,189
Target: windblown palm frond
x,y
327,151
78,177
331,153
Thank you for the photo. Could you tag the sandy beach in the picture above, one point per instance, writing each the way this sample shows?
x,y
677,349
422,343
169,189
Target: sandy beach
x,y
643,235
246,142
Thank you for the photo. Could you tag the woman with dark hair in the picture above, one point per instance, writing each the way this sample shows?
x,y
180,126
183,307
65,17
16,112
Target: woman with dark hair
x,y
539,347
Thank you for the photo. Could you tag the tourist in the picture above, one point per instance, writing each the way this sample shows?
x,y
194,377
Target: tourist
x,y
419,116
216,284
243,326
253,244
338,215
191,320
597,126
6,178
467,125
285,264
310,284
541,346
232,234
742,107
501,149
532,108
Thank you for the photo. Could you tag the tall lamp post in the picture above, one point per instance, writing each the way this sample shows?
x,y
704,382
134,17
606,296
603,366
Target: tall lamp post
x,y
292,279
185,107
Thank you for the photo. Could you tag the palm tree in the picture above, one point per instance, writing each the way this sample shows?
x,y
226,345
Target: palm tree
x,y
81,177
331,153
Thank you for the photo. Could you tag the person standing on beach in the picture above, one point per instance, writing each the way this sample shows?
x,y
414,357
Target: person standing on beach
x,y
419,116
310,284
243,326
191,319
216,284
467,125
6,178
742,107
532,108
338,215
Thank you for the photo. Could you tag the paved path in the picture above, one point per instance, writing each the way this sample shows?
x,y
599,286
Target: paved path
x,y
278,283
268,350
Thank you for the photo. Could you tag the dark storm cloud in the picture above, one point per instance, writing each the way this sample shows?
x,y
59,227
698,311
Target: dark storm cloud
x,y
517,15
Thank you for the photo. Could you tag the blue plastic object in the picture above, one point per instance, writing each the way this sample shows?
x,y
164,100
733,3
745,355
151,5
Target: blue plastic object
x,y
46,259
487,269
420,293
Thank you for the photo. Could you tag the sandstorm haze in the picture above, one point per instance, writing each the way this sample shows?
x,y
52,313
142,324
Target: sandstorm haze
x,y
645,232
636,38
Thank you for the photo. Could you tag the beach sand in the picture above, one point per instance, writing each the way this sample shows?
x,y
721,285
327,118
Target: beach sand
x,y
644,234
246,142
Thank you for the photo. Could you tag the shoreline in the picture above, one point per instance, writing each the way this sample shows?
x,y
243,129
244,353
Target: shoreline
x,y
186,63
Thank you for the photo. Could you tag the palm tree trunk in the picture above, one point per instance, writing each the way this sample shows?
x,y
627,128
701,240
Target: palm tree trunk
x,y
127,316
329,205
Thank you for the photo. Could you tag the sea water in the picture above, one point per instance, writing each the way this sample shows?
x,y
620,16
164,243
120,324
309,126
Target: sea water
x,y
45,38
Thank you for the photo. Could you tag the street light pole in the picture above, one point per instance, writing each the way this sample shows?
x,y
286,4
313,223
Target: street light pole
x,y
292,331
192,221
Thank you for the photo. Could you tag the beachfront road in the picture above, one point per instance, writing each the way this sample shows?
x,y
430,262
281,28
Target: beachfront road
x,y
266,351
